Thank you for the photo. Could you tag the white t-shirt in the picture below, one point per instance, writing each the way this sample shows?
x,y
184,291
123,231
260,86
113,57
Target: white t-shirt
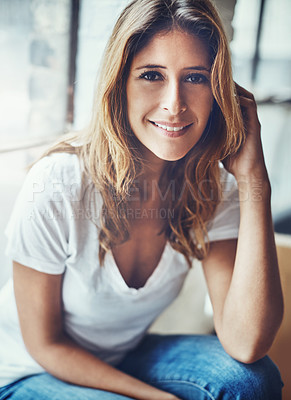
x,y
51,230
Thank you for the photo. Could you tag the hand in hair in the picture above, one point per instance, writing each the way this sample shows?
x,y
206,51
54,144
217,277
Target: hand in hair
x,y
246,290
249,160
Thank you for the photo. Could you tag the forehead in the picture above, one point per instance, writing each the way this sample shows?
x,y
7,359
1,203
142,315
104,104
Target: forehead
x,y
177,47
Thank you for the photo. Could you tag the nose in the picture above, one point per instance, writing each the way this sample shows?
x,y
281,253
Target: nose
x,y
173,100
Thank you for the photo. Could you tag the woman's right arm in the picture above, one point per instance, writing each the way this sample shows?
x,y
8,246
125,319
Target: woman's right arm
x,y
38,299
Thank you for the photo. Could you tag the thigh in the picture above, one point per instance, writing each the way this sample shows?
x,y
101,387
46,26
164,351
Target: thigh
x,y
197,367
46,387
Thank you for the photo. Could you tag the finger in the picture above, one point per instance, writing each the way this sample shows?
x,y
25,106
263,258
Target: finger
x,y
249,114
242,91
247,102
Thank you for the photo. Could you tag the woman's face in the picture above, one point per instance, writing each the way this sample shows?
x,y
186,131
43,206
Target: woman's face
x,y
169,96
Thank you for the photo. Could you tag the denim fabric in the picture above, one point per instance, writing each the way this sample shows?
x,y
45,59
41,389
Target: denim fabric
x,y
192,367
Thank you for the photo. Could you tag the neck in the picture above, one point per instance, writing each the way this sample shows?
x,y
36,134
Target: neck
x,y
148,181
153,166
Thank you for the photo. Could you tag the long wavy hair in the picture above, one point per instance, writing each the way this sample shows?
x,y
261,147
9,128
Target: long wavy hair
x,y
110,151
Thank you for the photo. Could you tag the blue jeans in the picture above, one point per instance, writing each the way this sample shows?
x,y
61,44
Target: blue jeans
x,y
192,367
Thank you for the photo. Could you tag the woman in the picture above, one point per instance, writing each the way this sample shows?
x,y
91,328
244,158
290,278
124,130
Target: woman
x,y
108,222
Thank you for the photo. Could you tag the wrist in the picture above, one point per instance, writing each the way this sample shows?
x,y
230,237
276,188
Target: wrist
x,y
255,173
254,188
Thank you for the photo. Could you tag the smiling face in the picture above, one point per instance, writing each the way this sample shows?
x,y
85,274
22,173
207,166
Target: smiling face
x,y
169,97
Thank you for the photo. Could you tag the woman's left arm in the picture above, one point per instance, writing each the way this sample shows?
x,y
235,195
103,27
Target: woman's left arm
x,y
243,276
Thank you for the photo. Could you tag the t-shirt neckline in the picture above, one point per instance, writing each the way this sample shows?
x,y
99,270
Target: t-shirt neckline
x,y
152,280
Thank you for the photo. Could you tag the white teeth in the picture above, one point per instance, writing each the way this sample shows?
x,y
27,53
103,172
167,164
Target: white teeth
x,y
170,128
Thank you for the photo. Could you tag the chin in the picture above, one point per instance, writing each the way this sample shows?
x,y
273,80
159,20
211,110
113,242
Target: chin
x,y
171,157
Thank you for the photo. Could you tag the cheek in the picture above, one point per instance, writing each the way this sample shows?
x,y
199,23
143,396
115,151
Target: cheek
x,y
139,100
201,104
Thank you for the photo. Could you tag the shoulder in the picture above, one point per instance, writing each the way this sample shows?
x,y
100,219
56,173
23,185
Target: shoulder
x,y
61,166
59,175
41,223
229,189
225,221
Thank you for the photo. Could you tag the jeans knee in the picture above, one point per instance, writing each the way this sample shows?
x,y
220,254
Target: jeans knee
x,y
258,381
231,380
268,379
184,389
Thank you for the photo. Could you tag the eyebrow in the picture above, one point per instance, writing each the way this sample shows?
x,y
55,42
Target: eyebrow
x,y
197,67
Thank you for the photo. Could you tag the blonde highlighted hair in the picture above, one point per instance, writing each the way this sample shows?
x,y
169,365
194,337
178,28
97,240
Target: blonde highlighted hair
x,y
110,149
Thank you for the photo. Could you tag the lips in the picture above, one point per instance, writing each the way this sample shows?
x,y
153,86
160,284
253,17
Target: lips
x,y
171,129
170,126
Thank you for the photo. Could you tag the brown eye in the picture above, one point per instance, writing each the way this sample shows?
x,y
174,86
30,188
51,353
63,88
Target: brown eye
x,y
196,78
151,76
